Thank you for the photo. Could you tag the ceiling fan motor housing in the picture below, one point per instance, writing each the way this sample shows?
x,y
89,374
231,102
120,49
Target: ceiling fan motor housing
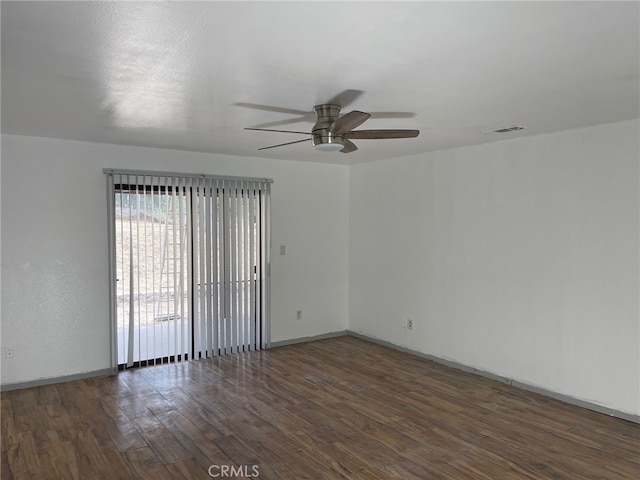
x,y
322,136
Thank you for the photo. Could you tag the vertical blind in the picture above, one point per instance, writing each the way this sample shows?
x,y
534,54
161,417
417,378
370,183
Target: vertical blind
x,y
190,266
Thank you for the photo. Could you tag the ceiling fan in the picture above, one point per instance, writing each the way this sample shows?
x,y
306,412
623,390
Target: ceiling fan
x,y
333,132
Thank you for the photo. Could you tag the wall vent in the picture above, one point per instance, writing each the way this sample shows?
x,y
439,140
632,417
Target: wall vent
x,y
512,128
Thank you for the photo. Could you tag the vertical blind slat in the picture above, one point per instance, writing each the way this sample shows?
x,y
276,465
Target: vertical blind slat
x,y
245,268
142,232
240,267
266,321
190,272
266,266
227,265
222,262
233,220
209,264
254,265
202,268
131,291
180,347
176,273
215,264
154,271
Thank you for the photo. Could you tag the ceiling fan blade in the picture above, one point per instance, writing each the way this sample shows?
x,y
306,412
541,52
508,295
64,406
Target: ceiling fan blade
x,y
283,144
281,123
349,146
349,121
281,131
392,114
344,98
380,134
269,108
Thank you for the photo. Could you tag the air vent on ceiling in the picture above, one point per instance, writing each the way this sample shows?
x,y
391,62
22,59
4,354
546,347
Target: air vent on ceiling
x,y
512,128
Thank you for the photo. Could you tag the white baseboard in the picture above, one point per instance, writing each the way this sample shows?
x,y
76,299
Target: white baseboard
x,y
293,341
50,381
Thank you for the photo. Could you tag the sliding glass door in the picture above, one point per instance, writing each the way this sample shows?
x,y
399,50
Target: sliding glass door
x,y
190,266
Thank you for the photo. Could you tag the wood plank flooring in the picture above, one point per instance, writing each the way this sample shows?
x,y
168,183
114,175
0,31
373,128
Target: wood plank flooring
x,y
340,408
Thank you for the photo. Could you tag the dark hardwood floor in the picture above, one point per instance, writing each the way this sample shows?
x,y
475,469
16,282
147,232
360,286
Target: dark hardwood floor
x,y
336,408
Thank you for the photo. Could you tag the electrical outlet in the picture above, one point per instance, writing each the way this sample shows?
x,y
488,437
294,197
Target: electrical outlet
x,y
409,324
8,352
299,315
404,322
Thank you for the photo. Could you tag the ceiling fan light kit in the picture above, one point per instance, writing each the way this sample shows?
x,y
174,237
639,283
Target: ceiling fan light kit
x,y
332,132
331,146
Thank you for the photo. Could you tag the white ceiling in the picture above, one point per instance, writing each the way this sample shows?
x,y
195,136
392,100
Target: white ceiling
x,y
173,75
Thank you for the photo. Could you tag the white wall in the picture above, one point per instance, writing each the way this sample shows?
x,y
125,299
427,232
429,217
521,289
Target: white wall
x,y
519,258
54,247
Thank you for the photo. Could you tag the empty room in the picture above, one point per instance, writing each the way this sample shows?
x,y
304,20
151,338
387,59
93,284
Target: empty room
x,y
320,240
